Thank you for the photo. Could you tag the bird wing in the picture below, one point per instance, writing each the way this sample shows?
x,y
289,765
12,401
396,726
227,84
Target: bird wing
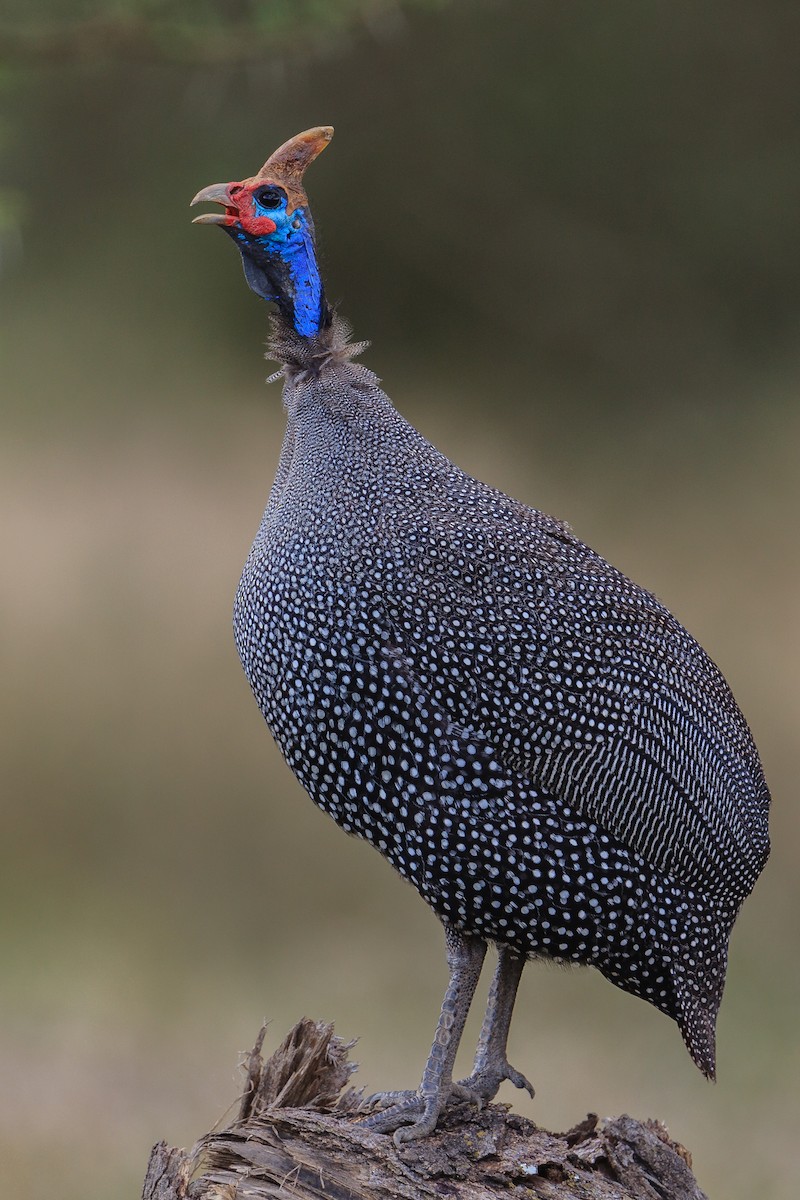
x,y
582,682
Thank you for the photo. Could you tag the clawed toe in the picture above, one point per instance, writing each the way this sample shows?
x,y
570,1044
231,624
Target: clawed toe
x,y
422,1127
466,1092
483,1085
379,1101
408,1119
520,1081
408,1115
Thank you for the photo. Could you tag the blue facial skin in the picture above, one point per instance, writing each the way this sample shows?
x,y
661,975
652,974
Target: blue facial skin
x,y
281,266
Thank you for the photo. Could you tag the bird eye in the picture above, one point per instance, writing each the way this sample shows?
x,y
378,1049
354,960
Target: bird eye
x,y
269,197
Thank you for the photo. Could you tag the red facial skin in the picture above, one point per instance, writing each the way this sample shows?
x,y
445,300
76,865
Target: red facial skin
x,y
243,211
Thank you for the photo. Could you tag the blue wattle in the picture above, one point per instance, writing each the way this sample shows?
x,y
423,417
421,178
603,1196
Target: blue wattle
x,y
304,273
282,268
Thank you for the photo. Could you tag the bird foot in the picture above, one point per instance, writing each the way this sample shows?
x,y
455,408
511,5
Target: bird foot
x,y
398,1109
409,1115
484,1082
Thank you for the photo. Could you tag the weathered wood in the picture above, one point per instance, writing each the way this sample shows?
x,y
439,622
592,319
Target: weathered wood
x,y
297,1137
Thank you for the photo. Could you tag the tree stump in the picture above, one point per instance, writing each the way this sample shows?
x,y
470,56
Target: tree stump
x,y
297,1137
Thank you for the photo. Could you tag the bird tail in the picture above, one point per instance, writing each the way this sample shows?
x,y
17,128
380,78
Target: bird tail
x,y
698,1025
698,993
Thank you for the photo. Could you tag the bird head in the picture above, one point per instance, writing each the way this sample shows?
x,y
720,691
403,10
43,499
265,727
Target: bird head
x,y
269,219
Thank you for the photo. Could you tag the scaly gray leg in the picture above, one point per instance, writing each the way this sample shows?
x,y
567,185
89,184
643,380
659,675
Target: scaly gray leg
x,y
420,1110
491,1066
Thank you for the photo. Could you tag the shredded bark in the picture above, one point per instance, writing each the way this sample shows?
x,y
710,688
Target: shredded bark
x,y
298,1135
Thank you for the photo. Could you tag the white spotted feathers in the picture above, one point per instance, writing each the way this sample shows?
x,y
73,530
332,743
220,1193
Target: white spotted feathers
x,y
532,740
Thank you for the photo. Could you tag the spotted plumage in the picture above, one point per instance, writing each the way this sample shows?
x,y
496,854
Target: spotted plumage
x,y
529,738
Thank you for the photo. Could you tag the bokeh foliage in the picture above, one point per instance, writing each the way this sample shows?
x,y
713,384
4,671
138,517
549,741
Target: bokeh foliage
x,y
210,31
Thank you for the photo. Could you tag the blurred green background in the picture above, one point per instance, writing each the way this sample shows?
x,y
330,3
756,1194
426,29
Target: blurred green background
x,y
571,233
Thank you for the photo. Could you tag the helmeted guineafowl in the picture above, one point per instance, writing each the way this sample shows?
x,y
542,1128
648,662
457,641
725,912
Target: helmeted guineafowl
x,y
529,738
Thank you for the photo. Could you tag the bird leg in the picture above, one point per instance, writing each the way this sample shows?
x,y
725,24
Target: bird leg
x,y
491,1065
420,1110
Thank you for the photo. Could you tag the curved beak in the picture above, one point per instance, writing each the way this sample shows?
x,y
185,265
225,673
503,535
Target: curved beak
x,y
217,193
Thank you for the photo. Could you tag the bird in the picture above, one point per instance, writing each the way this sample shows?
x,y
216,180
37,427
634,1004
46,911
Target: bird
x,y
531,739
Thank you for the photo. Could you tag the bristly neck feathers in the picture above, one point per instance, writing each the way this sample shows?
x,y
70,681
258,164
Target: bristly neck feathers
x,y
329,352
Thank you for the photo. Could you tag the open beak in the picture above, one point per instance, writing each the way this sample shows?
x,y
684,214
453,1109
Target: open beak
x,y
217,193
